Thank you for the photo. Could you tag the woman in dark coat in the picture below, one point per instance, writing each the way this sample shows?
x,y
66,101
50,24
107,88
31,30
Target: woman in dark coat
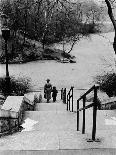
x,y
47,90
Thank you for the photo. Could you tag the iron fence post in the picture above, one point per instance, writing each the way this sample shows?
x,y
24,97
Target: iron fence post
x,y
72,99
94,114
83,127
77,115
64,93
61,93
67,102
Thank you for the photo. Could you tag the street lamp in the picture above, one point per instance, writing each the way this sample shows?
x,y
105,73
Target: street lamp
x,y
6,34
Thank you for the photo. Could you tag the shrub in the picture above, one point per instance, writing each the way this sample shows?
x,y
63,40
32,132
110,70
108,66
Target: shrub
x,y
90,28
107,83
18,86
66,55
37,99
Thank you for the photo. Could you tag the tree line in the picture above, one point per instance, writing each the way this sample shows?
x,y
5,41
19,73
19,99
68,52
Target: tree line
x,y
50,21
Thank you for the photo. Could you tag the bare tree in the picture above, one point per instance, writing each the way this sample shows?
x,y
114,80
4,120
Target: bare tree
x,y
109,4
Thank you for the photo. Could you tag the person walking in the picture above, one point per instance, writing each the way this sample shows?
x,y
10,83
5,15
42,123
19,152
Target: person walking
x,y
54,93
47,90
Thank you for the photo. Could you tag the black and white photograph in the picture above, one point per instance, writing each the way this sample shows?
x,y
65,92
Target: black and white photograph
x,y
57,77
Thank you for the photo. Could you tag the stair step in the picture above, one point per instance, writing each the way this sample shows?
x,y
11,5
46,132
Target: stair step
x,y
50,107
40,140
60,140
52,120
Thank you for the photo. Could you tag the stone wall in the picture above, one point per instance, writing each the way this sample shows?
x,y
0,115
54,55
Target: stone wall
x,y
8,121
13,111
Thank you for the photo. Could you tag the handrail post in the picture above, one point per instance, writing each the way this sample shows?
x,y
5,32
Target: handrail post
x,y
67,102
61,93
94,114
83,127
64,96
77,115
72,98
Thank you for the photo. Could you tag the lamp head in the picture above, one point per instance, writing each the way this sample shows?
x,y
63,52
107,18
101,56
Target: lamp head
x,y
5,33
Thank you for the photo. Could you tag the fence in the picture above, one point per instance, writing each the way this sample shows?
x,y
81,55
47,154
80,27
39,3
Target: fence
x,y
94,105
70,99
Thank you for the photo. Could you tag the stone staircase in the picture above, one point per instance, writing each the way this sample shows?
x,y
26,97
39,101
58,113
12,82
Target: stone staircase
x,y
54,128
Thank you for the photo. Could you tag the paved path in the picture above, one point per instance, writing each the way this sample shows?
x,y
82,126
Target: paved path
x,y
61,152
55,131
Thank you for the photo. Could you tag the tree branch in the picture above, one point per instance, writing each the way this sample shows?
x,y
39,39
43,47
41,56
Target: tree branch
x,y
111,13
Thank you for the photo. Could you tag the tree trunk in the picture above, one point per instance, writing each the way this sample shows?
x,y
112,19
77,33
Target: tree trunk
x,y
114,43
25,26
74,42
110,13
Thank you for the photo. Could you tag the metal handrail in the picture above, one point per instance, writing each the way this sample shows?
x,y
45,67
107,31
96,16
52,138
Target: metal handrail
x,y
87,92
94,105
69,97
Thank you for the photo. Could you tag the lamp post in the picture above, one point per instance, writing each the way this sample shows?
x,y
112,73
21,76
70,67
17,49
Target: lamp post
x,y
6,34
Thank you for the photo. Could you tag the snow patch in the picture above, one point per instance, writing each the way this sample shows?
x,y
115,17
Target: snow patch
x,y
28,124
111,121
